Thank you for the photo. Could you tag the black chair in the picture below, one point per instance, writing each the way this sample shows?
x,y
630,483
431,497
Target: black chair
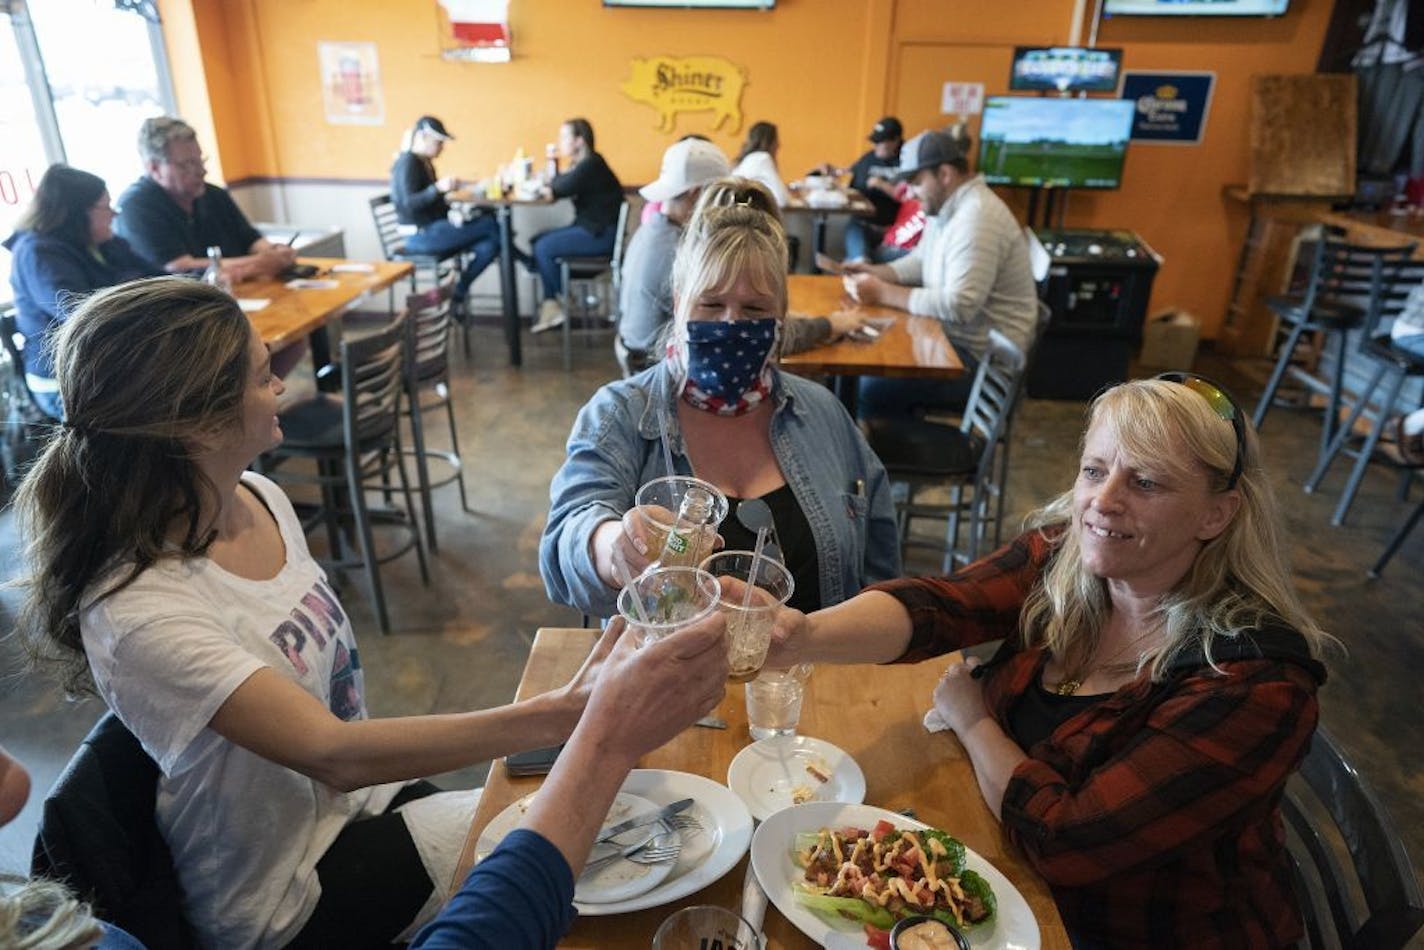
x,y
389,233
427,387
1392,368
98,835
922,453
26,426
593,278
1334,303
355,443
1374,902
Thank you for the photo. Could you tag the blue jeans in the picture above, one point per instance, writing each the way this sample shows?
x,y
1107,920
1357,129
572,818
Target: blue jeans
x,y
550,247
50,404
862,243
885,398
480,235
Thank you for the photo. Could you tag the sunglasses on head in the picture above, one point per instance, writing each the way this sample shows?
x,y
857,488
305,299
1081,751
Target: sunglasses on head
x,y
1224,406
755,514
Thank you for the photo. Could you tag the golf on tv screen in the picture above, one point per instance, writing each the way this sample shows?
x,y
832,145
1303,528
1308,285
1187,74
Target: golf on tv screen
x,y
1195,7
1064,69
1056,143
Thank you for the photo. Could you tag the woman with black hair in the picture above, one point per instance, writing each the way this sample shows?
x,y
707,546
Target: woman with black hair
x,y
64,246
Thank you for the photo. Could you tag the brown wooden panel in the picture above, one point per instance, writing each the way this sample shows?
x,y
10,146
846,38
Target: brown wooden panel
x,y
1303,135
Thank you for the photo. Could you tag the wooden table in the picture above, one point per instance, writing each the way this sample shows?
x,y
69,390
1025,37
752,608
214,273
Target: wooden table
x,y
293,314
909,347
856,206
873,713
508,289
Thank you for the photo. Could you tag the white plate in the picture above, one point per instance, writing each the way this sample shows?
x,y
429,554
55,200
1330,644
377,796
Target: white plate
x,y
706,855
617,880
768,775
1013,926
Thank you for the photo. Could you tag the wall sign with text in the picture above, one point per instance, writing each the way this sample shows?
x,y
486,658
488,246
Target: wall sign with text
x,y
673,84
1171,106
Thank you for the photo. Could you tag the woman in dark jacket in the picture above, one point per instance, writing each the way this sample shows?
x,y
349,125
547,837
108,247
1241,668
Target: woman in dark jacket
x,y
64,247
597,195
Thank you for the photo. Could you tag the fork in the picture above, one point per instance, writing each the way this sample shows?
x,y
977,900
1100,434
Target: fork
x,y
642,853
688,823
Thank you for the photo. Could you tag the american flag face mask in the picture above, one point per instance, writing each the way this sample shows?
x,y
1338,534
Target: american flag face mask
x,y
727,363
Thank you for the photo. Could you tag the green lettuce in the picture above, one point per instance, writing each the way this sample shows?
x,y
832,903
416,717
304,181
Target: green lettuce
x,y
852,908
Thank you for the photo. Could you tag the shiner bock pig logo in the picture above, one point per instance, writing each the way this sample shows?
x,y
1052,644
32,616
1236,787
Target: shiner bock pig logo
x,y
672,84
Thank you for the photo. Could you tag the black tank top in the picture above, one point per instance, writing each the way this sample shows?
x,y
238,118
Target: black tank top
x,y
798,545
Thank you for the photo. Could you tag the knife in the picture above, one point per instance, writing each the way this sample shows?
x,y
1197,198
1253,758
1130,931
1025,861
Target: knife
x,y
639,820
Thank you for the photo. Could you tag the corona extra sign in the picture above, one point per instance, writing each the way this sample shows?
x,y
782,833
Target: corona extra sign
x,y
672,84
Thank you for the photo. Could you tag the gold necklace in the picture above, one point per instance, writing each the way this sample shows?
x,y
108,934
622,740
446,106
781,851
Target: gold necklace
x,y
1071,685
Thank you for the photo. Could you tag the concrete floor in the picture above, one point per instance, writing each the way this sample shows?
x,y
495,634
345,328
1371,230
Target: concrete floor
x,y
461,644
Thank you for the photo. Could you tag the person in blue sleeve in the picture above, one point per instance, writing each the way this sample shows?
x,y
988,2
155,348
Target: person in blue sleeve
x,y
64,246
732,418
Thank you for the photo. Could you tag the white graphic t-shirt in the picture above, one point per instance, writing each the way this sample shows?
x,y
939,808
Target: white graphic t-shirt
x,y
166,652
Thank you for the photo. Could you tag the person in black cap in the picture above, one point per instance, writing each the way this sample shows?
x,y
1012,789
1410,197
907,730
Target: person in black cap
x,y
873,175
420,200
970,271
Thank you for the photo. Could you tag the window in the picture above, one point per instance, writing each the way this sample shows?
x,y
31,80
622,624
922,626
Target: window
x,y
77,77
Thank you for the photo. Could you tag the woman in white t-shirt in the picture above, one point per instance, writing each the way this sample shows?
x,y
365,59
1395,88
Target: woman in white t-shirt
x,y
179,587
757,161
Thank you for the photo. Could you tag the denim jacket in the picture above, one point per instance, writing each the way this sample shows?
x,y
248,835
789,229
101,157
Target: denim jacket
x,y
614,448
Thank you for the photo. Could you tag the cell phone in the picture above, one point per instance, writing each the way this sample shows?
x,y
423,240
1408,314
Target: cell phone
x,y
532,762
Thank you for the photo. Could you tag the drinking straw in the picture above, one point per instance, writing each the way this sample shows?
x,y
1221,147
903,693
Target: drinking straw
x,y
620,567
666,442
751,574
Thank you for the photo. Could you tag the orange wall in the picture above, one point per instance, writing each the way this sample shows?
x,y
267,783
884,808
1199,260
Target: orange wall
x,y
822,69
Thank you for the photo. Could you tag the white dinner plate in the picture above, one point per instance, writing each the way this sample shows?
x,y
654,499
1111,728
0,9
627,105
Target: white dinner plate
x,y
1012,928
616,880
782,771
706,855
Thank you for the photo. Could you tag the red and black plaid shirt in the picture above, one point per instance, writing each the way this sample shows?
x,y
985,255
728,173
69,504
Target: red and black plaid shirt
x,y
1154,814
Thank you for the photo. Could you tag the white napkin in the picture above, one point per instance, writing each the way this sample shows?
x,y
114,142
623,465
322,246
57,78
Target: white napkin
x,y
934,722
252,304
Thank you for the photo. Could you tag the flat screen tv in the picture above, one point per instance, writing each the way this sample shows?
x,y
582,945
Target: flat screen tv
x,y
1065,69
696,4
1055,143
1195,7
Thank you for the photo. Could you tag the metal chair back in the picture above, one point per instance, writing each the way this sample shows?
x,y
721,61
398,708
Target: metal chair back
x,y
388,226
372,378
1350,273
431,317
1373,902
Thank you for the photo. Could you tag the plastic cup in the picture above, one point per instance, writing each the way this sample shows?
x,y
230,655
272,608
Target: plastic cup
x,y
663,600
703,927
659,502
774,701
750,613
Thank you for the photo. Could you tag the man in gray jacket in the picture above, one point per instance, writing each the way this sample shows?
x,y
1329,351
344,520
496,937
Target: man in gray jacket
x,y
970,271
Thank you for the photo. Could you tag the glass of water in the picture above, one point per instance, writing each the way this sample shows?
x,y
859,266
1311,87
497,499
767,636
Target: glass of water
x,y
774,701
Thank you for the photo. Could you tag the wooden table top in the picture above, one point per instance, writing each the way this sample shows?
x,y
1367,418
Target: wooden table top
x,y
873,713
292,314
909,346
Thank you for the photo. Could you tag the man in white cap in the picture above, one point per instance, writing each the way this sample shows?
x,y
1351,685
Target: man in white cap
x,y
645,302
970,271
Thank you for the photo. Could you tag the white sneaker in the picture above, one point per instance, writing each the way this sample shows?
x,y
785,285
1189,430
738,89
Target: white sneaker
x,y
551,315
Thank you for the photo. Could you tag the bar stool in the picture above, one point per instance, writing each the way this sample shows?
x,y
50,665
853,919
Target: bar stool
x,y
353,441
1392,367
584,280
427,385
1334,303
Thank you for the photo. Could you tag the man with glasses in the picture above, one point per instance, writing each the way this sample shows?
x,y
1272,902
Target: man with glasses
x,y
172,215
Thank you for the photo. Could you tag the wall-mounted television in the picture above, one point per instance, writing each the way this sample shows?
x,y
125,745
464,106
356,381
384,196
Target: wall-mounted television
x,y
696,4
1065,69
1195,7
1055,143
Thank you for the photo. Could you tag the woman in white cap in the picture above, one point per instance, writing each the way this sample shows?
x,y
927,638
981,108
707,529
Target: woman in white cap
x,y
420,199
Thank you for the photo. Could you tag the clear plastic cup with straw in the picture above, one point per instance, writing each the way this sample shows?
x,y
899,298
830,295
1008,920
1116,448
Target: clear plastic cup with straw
x,y
662,600
754,588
